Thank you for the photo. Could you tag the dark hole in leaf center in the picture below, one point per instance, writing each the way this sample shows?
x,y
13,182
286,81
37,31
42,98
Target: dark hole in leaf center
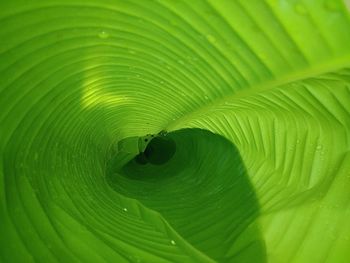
x,y
159,151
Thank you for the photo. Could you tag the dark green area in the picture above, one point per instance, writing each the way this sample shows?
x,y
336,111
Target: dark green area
x,y
203,191
159,151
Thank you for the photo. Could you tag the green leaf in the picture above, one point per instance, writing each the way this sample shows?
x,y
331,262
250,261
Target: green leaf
x,y
239,109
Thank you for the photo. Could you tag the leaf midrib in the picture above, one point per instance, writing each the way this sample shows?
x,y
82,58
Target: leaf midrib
x,y
319,70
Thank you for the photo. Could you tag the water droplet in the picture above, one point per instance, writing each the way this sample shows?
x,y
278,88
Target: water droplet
x,y
134,259
161,82
125,209
298,141
206,97
137,75
173,242
103,34
181,62
300,9
319,147
192,59
137,259
130,51
211,39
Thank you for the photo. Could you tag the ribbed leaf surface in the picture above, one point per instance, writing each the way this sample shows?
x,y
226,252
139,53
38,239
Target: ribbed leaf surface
x,y
255,94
